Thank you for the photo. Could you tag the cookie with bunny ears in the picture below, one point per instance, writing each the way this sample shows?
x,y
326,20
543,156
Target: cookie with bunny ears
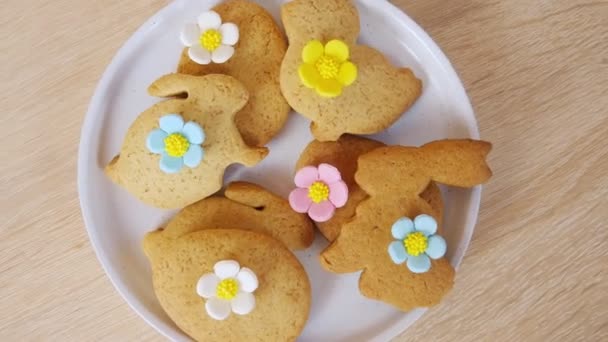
x,y
175,152
244,206
394,237
341,86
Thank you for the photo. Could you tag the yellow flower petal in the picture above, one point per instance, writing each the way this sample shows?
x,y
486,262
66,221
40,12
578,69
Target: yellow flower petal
x,y
337,49
347,74
309,75
329,88
312,51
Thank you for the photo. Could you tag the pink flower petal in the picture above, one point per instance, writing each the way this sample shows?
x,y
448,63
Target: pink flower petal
x,y
329,174
338,194
299,200
322,212
306,176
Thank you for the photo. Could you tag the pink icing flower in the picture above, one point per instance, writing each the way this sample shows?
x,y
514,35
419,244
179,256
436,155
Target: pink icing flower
x,y
320,191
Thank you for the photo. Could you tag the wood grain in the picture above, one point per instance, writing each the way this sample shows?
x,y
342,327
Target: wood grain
x,y
536,72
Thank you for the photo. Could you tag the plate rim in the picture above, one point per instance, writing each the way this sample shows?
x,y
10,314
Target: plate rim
x,y
85,161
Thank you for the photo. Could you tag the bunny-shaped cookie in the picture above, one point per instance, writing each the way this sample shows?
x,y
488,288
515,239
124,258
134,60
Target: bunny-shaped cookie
x,y
259,48
230,285
343,154
395,237
343,87
175,152
244,206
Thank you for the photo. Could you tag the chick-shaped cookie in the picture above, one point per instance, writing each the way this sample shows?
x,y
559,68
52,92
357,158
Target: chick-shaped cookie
x,y
230,285
343,155
175,152
343,87
395,237
241,39
244,206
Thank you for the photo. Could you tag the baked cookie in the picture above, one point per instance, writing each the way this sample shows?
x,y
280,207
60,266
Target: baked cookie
x,y
245,206
396,226
343,154
175,152
230,285
341,86
249,46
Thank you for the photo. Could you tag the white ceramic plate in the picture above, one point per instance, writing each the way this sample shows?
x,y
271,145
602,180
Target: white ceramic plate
x,y
117,222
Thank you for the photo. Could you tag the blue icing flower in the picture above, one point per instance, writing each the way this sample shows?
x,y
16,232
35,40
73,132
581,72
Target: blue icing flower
x,y
416,243
178,144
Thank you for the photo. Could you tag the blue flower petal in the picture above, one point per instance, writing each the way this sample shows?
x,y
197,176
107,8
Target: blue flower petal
x,y
419,264
396,250
194,133
171,123
193,156
402,228
155,142
425,224
437,247
170,164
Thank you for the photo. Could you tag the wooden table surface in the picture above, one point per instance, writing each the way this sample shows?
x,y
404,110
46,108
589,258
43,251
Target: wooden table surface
x,y
536,72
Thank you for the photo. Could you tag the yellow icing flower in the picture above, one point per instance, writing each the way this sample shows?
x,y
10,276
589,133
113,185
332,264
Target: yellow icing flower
x,y
327,68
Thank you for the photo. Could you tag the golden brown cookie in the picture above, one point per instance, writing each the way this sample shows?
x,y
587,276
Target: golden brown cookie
x,y
245,206
175,152
230,285
394,237
343,154
341,86
256,61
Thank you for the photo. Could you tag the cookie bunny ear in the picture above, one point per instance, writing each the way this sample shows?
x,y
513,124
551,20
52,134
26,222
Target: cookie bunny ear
x,y
253,196
219,92
458,162
317,19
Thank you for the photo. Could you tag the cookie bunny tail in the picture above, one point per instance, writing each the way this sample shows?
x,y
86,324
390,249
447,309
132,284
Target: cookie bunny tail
x,y
458,162
336,260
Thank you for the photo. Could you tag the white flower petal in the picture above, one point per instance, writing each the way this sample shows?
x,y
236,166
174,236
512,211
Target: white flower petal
x,y
222,54
217,308
190,35
230,33
207,285
243,303
209,20
226,269
199,55
248,281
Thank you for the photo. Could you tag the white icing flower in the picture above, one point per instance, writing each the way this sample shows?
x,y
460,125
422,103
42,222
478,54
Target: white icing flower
x,y
229,288
210,40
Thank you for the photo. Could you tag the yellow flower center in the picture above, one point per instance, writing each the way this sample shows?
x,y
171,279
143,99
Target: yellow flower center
x,y
176,145
328,67
415,243
318,192
211,39
227,289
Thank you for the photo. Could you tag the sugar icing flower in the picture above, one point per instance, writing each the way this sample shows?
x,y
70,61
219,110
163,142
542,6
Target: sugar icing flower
x,y
178,144
416,242
320,190
210,40
229,289
327,68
